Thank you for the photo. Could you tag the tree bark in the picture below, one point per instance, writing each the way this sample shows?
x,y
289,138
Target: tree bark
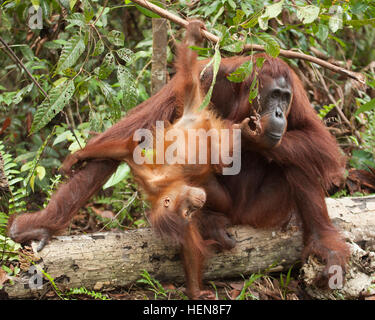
x,y
4,187
108,260
159,54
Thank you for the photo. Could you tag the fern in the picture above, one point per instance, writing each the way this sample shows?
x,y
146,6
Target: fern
x,y
16,201
90,293
325,110
153,285
13,201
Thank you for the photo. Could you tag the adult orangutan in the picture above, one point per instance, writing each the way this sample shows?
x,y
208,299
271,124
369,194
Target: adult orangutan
x,y
285,169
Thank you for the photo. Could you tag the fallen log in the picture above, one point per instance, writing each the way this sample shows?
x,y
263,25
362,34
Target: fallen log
x,y
104,261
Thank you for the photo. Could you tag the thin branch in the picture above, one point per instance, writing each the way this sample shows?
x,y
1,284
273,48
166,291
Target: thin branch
x,y
253,47
298,55
332,99
170,16
11,53
101,13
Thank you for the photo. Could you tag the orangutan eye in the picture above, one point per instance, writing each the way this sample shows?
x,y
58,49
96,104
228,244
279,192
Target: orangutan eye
x,y
167,202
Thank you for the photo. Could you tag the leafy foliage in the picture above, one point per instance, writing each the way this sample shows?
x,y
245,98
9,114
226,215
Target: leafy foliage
x,y
11,202
154,286
90,293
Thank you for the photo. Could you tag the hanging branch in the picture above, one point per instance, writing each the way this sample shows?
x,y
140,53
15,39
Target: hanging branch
x,y
254,47
11,53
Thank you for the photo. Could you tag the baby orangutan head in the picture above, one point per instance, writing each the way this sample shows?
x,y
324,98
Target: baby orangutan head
x,y
175,208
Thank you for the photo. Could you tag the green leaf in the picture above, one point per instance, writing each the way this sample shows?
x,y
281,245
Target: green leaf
x,y
107,90
70,53
40,172
112,100
29,180
339,41
116,38
141,54
107,66
60,81
65,136
209,10
88,11
270,44
242,72
263,23
224,34
216,64
308,14
366,107
325,110
64,3
72,3
45,8
253,20
274,10
99,48
121,173
235,47
35,3
260,62
253,92
361,23
76,19
217,15
127,84
323,32
125,54
232,4
271,11
27,52
58,98
21,93
362,159
27,166
335,22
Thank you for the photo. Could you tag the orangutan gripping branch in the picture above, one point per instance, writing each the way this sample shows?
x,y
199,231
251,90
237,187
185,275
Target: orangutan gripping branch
x,y
286,168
